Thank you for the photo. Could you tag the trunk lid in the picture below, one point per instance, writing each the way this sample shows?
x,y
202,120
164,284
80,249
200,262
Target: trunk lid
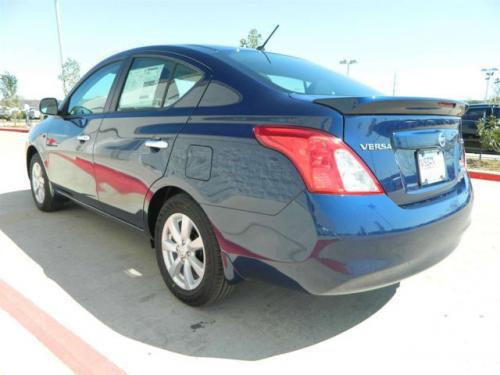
x,y
412,145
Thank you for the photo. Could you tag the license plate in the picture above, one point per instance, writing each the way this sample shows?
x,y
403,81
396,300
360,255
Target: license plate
x,y
431,166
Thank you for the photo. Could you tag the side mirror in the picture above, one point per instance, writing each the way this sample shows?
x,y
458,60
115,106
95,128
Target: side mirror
x,y
48,106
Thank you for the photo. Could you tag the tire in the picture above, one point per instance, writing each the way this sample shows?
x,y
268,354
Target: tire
x,y
41,190
194,274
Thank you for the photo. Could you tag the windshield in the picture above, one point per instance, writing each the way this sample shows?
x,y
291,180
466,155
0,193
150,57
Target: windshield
x,y
296,75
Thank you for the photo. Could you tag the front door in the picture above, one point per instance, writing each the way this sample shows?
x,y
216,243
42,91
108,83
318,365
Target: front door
x,y
134,142
70,140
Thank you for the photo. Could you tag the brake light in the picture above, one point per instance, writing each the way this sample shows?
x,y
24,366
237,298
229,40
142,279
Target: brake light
x,y
463,160
327,165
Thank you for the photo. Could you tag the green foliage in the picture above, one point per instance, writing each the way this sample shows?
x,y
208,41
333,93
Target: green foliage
x,y
488,130
8,88
70,74
253,40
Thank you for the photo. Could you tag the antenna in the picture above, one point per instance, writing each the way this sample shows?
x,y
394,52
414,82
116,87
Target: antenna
x,y
261,47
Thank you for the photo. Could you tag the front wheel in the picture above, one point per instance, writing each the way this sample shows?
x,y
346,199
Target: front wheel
x,y
43,194
188,254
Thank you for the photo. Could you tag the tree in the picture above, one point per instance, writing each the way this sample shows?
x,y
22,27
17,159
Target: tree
x,y
70,74
488,130
8,88
253,39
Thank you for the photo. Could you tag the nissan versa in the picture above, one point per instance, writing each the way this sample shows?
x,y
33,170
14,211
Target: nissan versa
x,y
242,164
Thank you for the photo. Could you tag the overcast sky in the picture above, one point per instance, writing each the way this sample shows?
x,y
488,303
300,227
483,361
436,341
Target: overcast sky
x,y
437,48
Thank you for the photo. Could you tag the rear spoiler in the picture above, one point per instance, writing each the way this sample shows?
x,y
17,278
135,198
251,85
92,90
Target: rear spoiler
x,y
389,105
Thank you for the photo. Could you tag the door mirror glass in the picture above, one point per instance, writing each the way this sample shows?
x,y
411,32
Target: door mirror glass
x,y
48,106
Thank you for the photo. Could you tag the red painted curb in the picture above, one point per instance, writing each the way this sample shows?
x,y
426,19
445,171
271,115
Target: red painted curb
x,y
484,175
77,354
14,130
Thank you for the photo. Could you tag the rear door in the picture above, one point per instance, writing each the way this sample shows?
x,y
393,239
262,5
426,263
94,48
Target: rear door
x,y
71,136
156,96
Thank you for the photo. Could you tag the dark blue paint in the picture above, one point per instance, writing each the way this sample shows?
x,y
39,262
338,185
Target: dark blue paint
x,y
396,168
268,225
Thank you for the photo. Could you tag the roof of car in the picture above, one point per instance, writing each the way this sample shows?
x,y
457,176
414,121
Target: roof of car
x,y
198,52
186,48
483,105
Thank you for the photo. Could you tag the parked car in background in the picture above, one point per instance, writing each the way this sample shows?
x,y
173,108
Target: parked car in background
x,y
470,120
8,113
244,164
34,114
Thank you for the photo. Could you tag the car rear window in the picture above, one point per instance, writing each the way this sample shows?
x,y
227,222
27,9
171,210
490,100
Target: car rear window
x,y
296,75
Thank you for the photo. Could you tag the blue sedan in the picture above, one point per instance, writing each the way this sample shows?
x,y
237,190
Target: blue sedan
x,y
240,163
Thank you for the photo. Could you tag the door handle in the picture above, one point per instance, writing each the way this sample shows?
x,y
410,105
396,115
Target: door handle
x,y
83,137
156,143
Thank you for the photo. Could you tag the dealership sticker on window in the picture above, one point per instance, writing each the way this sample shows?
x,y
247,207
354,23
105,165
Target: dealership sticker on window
x,y
141,86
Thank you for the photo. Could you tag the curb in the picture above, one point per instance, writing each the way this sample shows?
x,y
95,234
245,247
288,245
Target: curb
x,y
72,350
14,130
490,176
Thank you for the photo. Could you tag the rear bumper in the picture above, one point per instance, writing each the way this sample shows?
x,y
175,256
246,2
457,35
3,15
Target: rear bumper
x,y
353,265
328,245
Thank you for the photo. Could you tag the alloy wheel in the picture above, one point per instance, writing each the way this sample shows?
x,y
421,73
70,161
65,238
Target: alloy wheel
x,y
183,251
38,183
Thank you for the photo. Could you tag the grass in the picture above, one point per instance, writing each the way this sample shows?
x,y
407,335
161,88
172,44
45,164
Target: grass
x,y
17,124
484,165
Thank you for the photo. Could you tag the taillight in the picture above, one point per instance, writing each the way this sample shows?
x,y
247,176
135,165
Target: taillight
x,y
463,160
326,164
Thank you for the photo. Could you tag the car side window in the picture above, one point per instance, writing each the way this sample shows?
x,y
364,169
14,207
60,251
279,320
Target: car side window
x,y
183,80
91,96
146,84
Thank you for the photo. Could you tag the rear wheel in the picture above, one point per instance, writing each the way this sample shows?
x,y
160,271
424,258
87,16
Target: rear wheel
x,y
41,189
188,254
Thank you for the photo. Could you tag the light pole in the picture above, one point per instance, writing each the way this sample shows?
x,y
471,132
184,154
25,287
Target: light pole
x,y
489,73
497,89
395,78
347,63
58,23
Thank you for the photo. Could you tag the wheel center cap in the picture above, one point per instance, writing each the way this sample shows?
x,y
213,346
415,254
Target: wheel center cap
x,y
182,251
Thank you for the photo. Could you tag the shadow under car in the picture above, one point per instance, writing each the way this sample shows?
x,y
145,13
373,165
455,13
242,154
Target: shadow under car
x,y
90,257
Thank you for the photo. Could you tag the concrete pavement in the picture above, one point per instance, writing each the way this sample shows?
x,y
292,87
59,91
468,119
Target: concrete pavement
x,y
100,281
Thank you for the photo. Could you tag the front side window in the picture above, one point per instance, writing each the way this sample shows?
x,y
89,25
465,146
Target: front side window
x,y
146,84
91,96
